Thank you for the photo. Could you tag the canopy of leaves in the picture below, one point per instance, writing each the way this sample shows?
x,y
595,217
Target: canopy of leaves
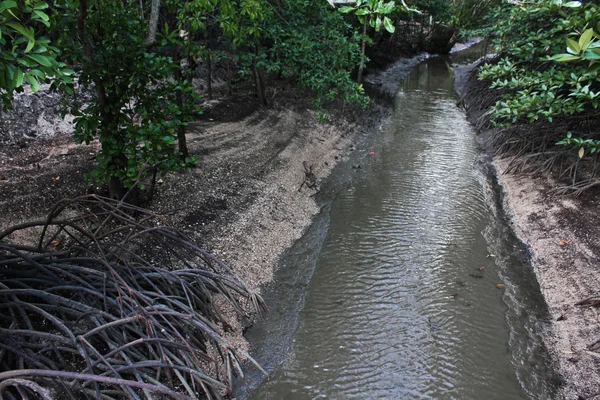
x,y
319,59
134,112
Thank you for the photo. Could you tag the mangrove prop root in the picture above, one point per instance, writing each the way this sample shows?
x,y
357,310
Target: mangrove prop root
x,y
589,302
109,302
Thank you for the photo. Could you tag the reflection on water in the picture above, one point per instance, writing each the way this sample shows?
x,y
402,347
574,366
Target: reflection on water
x,y
404,302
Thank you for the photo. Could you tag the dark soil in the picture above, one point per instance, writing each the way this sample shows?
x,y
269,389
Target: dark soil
x,y
243,201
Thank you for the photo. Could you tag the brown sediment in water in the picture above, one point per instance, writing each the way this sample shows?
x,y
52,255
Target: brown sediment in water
x,y
562,235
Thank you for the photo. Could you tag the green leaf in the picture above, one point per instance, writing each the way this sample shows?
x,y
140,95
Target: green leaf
x,y
573,4
42,17
591,55
42,60
388,8
558,56
19,78
67,72
346,9
10,74
37,72
586,38
573,46
22,30
567,58
594,45
7,4
35,86
363,11
377,24
388,25
28,33
30,45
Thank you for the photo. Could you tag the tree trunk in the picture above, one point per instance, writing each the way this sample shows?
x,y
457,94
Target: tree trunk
x,y
116,190
363,46
229,77
392,38
181,140
153,23
81,27
209,78
260,86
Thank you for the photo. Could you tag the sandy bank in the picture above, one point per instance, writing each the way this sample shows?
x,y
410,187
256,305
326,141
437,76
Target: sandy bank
x,y
245,201
562,235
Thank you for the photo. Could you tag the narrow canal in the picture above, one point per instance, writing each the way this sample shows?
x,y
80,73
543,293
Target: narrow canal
x,y
409,285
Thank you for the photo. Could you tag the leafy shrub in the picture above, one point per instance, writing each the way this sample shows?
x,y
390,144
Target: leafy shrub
x,y
536,87
25,56
310,42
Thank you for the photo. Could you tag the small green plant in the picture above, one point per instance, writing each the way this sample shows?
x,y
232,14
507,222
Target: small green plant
x,y
583,146
134,114
370,13
586,48
322,116
544,78
535,86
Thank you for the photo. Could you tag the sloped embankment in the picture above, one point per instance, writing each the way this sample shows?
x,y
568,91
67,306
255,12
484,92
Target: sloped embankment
x,y
244,200
562,234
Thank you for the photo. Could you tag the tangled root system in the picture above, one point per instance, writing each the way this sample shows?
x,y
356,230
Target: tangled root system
x,y
108,302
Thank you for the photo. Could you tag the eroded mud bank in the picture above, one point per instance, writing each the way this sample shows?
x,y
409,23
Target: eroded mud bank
x,y
562,236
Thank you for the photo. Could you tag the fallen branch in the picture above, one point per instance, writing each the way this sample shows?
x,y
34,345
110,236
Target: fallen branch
x,y
310,179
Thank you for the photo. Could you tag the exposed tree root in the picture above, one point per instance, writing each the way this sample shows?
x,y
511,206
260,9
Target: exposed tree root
x,y
105,305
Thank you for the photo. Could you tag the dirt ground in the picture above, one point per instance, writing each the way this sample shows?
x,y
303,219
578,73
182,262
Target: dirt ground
x,y
244,200
562,234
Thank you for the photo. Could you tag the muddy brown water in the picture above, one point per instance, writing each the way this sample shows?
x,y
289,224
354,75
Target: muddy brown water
x,y
409,284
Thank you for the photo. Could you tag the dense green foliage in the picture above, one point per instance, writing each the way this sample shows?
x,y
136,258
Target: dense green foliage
x,y
137,60
133,112
25,55
319,59
549,93
535,85
138,112
373,13
470,14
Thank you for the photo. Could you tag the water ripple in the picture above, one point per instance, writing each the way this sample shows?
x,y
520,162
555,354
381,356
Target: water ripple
x,y
404,303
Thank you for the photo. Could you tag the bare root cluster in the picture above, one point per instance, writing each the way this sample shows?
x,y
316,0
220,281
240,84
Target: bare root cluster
x,y
109,303
533,149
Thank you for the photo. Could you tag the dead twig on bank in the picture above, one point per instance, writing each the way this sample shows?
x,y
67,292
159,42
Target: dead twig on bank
x,y
310,179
